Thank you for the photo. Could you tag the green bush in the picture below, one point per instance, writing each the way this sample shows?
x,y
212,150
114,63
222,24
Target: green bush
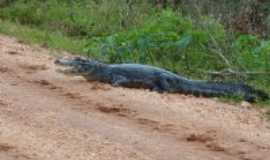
x,y
169,40
253,53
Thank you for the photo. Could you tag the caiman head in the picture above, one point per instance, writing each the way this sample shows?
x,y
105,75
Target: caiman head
x,y
77,66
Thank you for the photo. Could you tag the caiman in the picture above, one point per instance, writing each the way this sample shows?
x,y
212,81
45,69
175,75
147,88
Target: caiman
x,y
156,79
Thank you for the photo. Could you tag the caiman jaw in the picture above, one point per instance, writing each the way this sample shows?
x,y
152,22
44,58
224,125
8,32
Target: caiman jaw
x,y
67,71
63,62
74,66
67,66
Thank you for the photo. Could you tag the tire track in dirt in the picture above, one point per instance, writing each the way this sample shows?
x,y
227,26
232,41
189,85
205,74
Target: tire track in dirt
x,y
7,151
147,124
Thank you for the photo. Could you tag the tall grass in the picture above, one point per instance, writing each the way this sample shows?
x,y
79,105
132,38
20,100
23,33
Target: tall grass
x,y
49,39
83,18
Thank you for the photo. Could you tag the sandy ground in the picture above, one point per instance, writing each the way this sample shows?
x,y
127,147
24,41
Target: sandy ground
x,y
45,115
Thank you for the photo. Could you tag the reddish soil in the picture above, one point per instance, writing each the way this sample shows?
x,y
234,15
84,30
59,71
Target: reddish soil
x,y
45,115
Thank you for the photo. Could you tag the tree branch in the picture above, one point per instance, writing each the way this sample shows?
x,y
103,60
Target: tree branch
x,y
229,72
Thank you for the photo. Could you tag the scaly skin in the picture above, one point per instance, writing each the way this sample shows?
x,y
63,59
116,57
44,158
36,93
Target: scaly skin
x,y
154,78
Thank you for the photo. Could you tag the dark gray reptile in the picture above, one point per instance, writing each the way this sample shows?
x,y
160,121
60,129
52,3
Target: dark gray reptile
x,y
154,78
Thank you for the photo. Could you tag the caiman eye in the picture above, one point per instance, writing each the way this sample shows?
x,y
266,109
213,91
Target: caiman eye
x,y
169,80
77,59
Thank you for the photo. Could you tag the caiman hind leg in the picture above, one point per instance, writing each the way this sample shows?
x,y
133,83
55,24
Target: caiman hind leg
x,y
160,85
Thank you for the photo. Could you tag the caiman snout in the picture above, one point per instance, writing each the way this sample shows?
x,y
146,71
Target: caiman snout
x,y
57,61
76,61
73,66
64,62
60,61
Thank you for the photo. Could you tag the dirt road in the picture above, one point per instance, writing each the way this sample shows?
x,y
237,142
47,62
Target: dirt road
x,y
45,115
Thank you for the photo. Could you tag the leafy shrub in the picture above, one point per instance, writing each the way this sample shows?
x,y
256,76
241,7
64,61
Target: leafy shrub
x,y
253,53
169,40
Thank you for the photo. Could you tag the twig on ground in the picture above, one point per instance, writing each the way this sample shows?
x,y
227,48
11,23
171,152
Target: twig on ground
x,y
229,72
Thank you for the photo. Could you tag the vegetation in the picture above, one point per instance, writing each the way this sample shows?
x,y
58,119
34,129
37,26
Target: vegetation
x,y
187,39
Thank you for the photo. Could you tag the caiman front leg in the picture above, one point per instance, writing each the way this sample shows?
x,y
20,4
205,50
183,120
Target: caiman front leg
x,y
157,88
118,81
125,82
163,83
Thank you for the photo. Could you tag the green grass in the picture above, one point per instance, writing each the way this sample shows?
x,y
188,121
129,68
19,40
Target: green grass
x,y
54,40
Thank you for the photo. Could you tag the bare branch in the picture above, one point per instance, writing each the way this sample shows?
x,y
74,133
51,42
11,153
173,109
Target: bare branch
x,y
230,72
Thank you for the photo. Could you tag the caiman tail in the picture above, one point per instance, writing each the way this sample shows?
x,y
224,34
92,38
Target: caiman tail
x,y
212,89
